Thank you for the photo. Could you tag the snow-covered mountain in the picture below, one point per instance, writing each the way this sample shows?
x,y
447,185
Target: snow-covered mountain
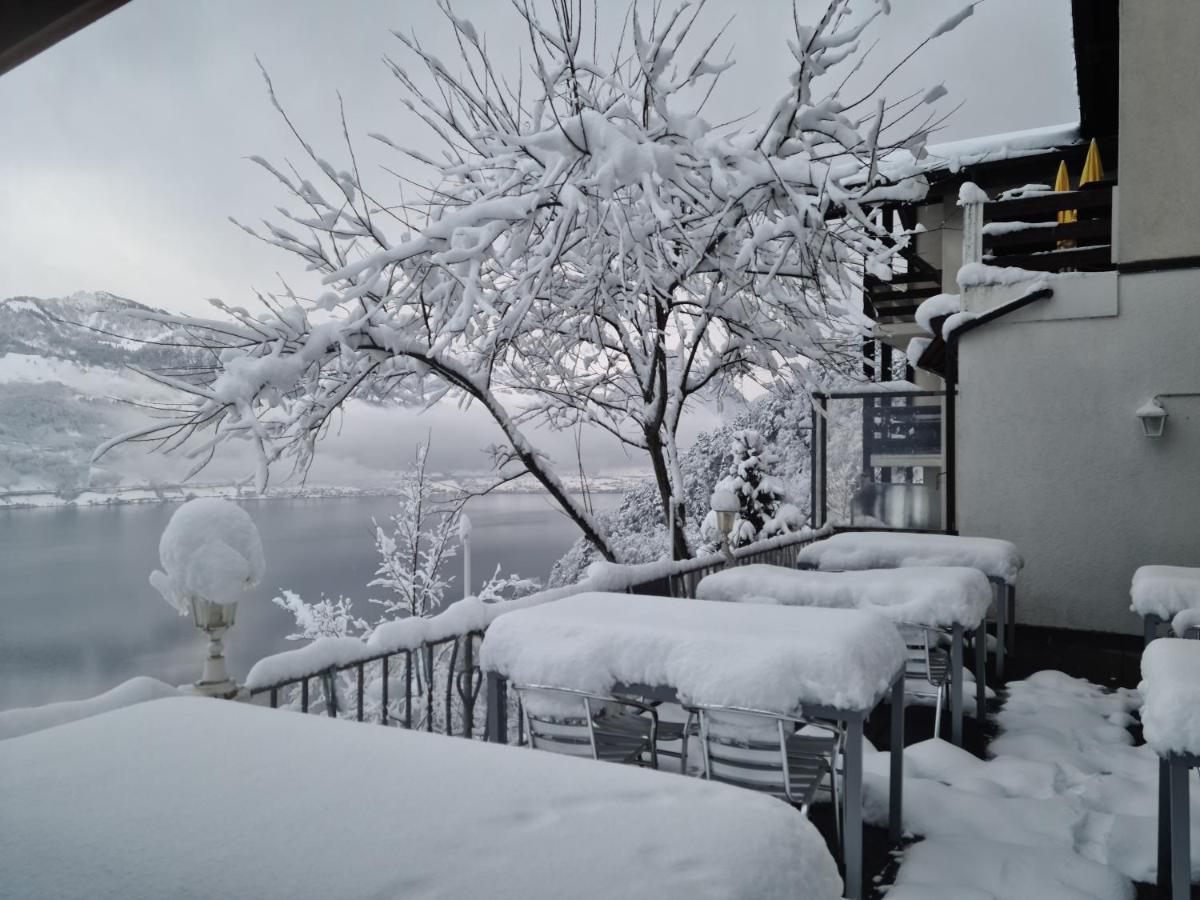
x,y
66,386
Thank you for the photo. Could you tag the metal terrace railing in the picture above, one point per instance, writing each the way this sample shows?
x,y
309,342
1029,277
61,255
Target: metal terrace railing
x,y
425,674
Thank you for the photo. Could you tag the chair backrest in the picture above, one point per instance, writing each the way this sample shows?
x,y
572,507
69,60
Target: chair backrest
x,y
920,642
750,748
572,722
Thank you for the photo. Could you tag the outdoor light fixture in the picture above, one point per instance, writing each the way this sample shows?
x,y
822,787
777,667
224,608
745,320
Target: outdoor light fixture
x,y
1153,417
725,508
214,619
1153,414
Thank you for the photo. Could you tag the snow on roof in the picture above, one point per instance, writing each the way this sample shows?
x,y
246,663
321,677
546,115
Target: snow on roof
x,y
721,654
236,810
1165,591
1171,692
954,155
934,597
853,550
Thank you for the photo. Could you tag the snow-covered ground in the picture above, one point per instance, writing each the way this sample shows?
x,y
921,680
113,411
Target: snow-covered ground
x,y
1065,808
190,797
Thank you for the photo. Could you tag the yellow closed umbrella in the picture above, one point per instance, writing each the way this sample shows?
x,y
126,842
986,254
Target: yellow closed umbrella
x,y
1063,183
1092,169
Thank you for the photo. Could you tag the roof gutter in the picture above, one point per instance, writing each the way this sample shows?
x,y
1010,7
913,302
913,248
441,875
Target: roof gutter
x,y
951,524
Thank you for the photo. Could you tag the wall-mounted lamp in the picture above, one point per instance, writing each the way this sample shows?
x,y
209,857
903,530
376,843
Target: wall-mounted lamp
x,y
1153,417
1153,414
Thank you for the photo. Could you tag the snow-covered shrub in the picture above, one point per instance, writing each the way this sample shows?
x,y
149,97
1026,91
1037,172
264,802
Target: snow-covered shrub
x,y
210,550
762,510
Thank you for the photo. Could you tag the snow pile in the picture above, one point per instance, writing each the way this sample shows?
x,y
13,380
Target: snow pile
x,y
498,821
1066,807
979,274
916,349
886,550
953,868
1186,621
1171,687
722,654
209,550
1165,591
15,722
934,597
935,307
969,192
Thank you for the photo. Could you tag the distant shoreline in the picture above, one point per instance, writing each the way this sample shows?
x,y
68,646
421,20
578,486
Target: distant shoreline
x,y
126,496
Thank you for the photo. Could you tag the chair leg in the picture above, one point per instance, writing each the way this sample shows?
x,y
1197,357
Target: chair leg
x,y
937,716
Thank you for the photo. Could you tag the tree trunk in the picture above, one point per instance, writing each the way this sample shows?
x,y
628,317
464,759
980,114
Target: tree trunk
x,y
662,477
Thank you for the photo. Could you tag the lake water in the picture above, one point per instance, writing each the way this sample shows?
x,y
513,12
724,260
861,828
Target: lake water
x,y
78,616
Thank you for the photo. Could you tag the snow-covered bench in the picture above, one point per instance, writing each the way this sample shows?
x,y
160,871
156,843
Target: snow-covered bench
x,y
998,560
953,598
1162,593
192,797
1170,691
831,664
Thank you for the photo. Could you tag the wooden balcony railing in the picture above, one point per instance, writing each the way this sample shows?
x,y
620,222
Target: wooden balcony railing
x,y
1025,232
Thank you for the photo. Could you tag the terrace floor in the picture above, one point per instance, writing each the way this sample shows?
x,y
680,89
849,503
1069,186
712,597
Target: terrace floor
x,y
1108,661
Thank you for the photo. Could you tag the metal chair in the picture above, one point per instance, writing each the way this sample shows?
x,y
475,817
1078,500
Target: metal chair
x,y
610,729
927,662
792,764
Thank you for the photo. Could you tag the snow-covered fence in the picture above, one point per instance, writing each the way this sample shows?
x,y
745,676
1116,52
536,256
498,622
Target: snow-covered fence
x,y
424,672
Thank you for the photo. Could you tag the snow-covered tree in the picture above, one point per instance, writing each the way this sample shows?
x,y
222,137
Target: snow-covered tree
x,y
422,539
591,250
763,509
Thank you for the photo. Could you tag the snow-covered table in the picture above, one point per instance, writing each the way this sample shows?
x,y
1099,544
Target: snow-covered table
x,y
1170,691
1159,593
998,560
192,797
834,664
950,597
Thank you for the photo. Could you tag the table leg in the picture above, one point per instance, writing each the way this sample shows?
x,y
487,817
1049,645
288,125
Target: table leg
x,y
956,685
854,807
1164,825
1181,851
1001,630
981,673
1150,628
497,708
1011,591
896,785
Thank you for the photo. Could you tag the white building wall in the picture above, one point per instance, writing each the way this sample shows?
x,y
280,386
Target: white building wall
x,y
1159,129
1052,457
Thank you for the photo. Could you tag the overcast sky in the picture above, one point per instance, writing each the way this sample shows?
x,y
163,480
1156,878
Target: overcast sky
x,y
123,148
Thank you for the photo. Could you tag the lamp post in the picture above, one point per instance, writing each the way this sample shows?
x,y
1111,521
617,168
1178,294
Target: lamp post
x,y
214,619
725,508
211,554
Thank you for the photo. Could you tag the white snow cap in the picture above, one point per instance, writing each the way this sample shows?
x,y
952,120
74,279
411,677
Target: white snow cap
x,y
935,307
895,549
1151,408
724,500
464,528
970,192
210,549
1165,591
1171,690
930,596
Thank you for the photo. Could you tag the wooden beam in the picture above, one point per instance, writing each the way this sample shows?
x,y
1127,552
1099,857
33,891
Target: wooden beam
x,y
27,27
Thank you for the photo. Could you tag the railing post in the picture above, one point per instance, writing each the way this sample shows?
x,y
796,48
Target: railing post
x,y
971,198
497,708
